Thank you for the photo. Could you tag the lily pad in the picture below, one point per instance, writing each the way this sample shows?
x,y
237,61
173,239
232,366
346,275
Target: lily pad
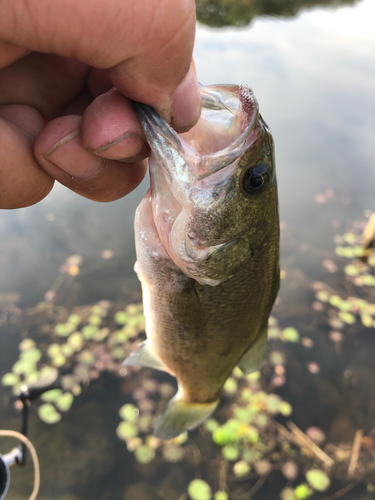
x,y
199,490
51,395
121,317
65,401
318,479
230,386
128,412
26,344
144,454
221,495
241,468
48,413
10,379
289,334
230,453
126,430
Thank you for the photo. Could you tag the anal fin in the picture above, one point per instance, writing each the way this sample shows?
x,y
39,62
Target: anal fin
x,y
252,359
179,416
144,356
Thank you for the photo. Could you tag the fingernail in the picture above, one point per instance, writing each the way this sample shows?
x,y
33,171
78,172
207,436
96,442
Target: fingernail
x,y
186,103
126,147
69,155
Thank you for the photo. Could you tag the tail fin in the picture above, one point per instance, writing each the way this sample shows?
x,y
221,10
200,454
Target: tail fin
x,y
179,416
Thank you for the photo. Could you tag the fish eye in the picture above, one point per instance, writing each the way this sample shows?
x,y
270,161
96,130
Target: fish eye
x,y
256,179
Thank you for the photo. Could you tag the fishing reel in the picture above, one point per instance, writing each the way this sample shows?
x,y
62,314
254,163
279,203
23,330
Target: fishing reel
x,y
17,456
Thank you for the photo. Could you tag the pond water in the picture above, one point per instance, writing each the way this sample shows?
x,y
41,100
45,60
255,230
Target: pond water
x,y
313,73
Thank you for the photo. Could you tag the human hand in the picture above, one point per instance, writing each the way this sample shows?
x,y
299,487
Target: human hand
x,y
59,62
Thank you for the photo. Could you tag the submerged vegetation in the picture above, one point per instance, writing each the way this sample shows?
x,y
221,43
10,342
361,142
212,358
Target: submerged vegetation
x,y
252,435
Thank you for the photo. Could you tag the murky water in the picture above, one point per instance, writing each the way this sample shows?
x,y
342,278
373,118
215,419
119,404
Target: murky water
x,y
314,76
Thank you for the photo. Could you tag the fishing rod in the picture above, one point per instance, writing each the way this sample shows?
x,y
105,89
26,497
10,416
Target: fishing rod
x,y
18,455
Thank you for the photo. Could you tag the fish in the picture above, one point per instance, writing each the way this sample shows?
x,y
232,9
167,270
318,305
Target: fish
x,y
207,244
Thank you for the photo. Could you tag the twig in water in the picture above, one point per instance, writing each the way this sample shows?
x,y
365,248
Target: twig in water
x,y
300,439
355,452
339,494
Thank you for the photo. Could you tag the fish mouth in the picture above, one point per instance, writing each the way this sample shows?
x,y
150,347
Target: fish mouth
x,y
204,159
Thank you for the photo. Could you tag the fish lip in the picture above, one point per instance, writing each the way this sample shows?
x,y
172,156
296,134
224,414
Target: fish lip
x,y
210,163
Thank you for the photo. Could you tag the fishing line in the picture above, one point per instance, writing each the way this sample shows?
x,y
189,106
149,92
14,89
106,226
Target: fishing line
x,y
34,456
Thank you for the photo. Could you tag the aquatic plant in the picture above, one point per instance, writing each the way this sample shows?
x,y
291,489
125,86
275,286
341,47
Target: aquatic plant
x,y
250,433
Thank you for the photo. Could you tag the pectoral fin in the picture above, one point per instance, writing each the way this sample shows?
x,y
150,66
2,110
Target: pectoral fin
x,y
252,359
144,356
179,416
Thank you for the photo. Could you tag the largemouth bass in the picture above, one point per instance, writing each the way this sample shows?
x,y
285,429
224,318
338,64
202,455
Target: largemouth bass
x,y
207,241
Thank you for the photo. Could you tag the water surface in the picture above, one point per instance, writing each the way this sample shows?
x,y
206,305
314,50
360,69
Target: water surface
x,y
313,73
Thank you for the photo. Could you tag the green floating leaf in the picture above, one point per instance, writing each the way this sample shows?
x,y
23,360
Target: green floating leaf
x,y
347,317
121,318
51,395
230,386
32,377
273,403
199,490
10,379
303,491
48,413
118,353
351,270
126,430
64,329
89,331
144,454
74,319
227,433
221,495
53,350
22,367
67,350
211,424
230,453
65,401
286,409
58,360
367,320
335,300
129,412
94,320
26,344
76,341
101,334
318,479
173,453
241,468
289,334
322,295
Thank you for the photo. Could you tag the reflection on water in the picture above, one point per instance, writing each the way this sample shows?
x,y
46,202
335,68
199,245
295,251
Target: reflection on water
x,y
220,13
314,77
